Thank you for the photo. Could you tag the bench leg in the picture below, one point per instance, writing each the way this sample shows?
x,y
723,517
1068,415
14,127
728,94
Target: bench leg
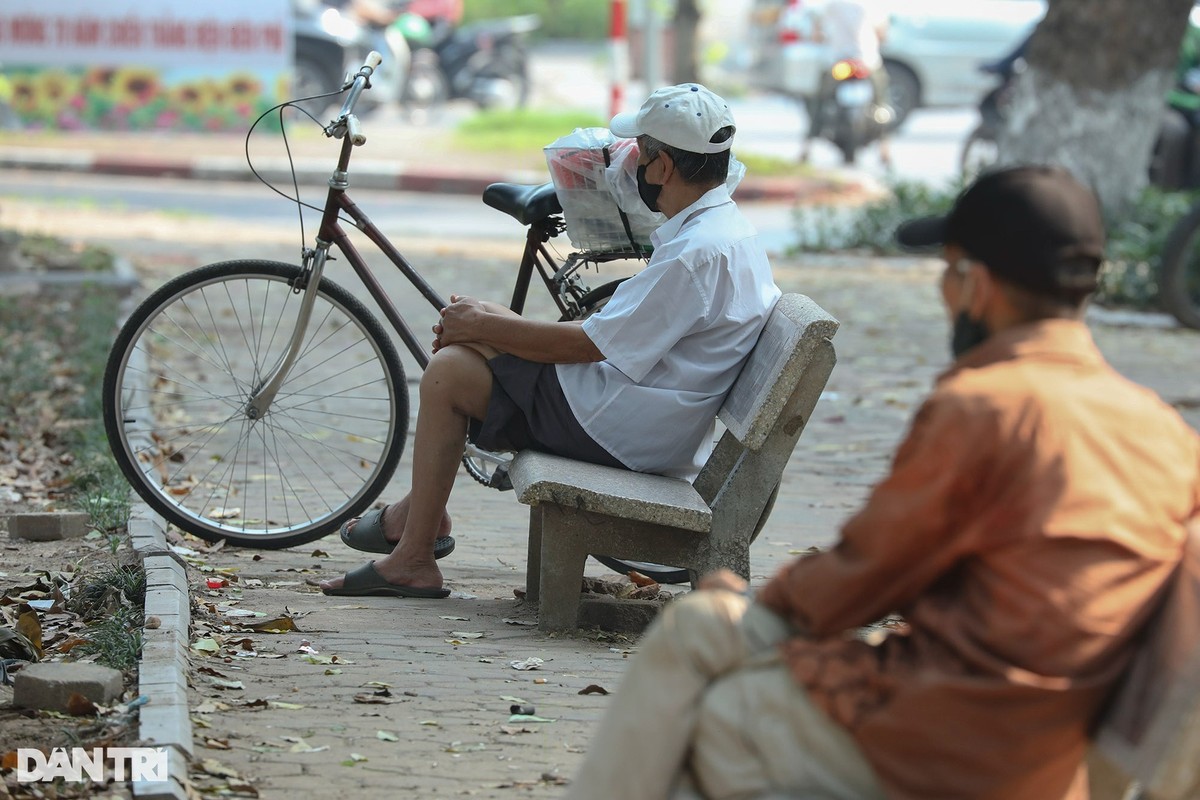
x,y
709,558
561,579
533,559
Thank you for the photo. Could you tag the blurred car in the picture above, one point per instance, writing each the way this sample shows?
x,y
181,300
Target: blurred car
x,y
932,50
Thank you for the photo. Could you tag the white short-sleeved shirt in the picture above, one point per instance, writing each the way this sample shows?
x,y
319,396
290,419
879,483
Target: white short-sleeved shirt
x,y
674,338
851,30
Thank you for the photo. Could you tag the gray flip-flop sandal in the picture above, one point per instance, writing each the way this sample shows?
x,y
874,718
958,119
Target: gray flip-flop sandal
x,y
367,536
366,582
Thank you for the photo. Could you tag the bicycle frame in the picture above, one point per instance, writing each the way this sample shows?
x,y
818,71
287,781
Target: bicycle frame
x,y
536,256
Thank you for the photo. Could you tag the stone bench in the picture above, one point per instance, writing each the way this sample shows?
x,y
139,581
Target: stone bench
x,y
577,509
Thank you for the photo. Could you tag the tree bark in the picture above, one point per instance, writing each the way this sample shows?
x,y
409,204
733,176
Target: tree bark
x,y
1092,98
685,66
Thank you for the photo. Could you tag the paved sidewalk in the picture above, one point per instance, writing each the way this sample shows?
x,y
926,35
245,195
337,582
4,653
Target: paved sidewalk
x,y
292,723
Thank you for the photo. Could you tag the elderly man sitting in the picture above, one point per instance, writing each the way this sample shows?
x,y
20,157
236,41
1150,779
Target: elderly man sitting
x,y
637,385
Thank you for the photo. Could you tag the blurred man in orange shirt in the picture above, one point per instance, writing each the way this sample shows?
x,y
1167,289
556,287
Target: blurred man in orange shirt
x,y
1031,520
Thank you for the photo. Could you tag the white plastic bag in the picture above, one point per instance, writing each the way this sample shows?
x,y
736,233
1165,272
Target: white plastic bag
x,y
577,166
591,191
622,182
621,177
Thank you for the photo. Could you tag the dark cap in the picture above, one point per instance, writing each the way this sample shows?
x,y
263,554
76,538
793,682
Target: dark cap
x,y
1036,227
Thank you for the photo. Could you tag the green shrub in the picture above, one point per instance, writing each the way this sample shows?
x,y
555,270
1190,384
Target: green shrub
x,y
870,226
1135,243
1135,240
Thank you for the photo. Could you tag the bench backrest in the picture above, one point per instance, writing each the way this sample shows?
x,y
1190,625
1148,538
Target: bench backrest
x,y
1150,730
768,406
795,328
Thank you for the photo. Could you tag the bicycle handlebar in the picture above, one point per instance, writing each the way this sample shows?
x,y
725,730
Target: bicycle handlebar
x,y
346,123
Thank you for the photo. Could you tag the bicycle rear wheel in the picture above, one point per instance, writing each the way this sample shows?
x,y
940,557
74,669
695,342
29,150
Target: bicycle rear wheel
x,y
1179,273
661,573
176,388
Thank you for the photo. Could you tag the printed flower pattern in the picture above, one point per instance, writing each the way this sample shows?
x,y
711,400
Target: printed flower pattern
x,y
135,97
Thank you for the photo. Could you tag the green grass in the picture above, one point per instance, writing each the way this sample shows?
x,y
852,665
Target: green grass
x,y
54,356
760,166
528,130
50,251
561,19
116,640
522,130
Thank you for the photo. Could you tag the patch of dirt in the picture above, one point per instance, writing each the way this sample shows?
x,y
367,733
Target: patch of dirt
x,y
52,576
44,604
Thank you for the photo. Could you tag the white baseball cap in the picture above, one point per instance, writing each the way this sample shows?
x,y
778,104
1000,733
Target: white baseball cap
x,y
684,116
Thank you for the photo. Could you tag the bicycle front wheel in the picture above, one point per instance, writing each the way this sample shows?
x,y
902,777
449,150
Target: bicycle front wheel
x,y
176,406
1179,274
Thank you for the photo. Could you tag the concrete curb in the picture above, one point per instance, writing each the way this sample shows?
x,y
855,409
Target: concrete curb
x,y
163,670
162,674
368,173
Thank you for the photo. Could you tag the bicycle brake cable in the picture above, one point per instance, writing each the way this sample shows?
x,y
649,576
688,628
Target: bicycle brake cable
x,y
300,204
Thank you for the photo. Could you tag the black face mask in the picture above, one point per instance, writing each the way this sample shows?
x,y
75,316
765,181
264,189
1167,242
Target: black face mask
x,y
967,333
649,192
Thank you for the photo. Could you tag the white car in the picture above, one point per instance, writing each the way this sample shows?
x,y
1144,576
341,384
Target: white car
x,y
932,50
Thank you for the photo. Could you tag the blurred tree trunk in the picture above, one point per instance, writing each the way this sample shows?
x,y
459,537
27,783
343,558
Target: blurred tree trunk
x,y
686,25
1092,98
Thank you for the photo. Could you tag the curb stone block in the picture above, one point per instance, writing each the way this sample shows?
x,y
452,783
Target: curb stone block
x,y
49,686
48,526
171,789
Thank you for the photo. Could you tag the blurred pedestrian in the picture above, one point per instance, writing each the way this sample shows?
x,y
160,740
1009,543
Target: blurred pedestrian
x,y
854,30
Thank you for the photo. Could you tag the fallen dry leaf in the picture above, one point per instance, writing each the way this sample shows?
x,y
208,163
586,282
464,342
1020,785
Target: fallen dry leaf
x,y
30,627
641,580
277,625
373,699
80,706
533,662
215,768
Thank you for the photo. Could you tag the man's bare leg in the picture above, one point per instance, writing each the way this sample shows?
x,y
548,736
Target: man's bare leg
x,y
455,387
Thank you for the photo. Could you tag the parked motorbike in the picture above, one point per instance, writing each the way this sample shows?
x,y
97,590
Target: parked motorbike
x,y
1175,163
979,150
849,112
327,43
485,62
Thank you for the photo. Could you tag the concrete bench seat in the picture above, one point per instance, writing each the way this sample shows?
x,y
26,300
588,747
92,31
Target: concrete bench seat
x,y
577,509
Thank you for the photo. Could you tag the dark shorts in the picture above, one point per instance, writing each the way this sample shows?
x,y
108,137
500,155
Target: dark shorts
x,y
528,411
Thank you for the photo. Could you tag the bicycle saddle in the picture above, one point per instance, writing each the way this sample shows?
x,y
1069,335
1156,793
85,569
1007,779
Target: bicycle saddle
x,y
525,204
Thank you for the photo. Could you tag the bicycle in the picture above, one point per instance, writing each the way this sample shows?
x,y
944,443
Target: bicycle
x,y
259,403
1179,270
